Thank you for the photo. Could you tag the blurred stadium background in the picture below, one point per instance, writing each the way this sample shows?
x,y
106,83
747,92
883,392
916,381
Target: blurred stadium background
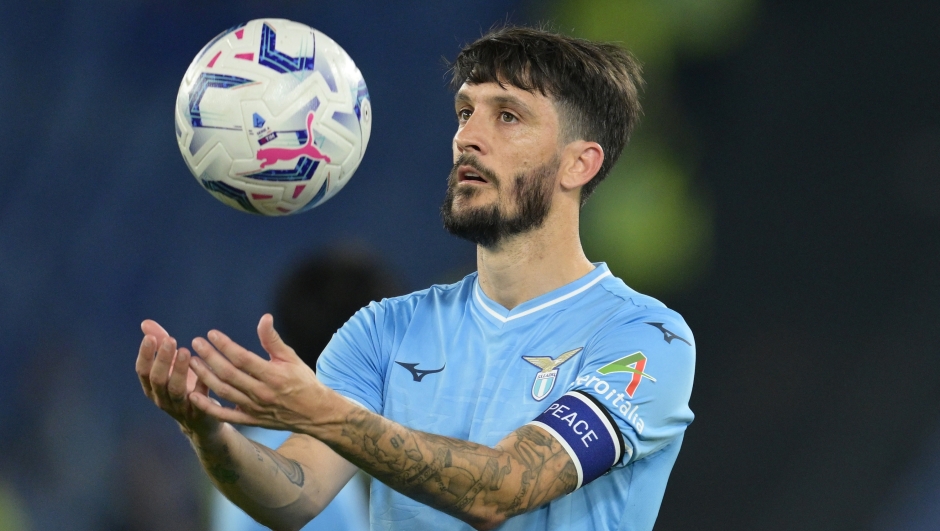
x,y
783,194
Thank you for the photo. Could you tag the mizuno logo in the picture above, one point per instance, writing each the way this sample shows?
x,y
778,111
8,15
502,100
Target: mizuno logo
x,y
545,379
668,335
416,373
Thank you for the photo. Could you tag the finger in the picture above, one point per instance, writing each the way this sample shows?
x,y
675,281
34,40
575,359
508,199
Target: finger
x,y
192,381
150,327
221,364
272,342
176,386
214,409
246,361
194,384
200,387
145,355
160,371
208,375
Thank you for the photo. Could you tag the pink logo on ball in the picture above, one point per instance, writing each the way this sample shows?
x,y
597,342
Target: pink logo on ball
x,y
271,155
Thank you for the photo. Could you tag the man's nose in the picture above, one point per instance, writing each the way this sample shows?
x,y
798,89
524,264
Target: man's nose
x,y
471,136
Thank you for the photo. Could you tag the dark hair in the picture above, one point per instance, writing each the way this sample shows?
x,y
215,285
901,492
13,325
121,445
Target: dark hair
x,y
322,292
594,84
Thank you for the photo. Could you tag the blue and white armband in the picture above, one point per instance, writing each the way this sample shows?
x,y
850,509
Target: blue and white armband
x,y
587,432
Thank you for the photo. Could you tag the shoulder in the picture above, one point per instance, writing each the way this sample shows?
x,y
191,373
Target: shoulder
x,y
642,316
385,321
436,295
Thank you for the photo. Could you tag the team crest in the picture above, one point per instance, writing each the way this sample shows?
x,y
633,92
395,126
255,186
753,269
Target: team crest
x,y
545,379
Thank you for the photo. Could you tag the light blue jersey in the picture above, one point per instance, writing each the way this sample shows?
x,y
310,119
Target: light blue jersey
x,y
604,369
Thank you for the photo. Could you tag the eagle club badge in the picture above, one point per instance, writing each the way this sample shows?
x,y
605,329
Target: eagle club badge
x,y
545,379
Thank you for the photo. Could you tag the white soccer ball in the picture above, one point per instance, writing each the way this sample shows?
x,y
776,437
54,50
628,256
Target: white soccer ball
x,y
273,117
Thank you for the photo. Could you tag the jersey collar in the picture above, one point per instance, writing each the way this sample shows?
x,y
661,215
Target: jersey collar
x,y
500,314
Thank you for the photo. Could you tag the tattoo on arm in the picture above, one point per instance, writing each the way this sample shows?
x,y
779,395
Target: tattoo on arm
x,y
289,467
527,469
220,466
541,452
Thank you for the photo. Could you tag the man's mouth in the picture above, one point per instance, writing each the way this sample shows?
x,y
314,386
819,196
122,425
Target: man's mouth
x,y
467,174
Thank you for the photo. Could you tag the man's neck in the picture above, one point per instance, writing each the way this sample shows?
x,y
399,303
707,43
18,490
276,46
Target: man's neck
x,y
528,265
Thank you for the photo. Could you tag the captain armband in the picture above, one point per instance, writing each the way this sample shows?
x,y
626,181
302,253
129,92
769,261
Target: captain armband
x,y
587,432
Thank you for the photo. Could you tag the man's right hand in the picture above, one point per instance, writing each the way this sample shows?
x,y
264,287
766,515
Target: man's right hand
x,y
168,381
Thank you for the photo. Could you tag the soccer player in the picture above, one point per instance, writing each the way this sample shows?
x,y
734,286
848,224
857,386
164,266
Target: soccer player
x,y
538,393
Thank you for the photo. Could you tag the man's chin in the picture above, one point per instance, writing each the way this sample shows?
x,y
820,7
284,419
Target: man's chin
x,y
470,193
478,224
473,212
470,206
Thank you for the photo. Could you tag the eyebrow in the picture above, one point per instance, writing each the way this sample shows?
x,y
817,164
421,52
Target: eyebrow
x,y
496,101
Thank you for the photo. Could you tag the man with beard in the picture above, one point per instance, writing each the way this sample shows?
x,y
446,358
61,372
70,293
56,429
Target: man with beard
x,y
538,393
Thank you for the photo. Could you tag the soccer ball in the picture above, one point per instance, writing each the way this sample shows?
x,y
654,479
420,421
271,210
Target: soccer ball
x,y
273,117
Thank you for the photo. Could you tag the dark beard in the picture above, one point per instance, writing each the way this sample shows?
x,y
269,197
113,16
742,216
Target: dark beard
x,y
487,226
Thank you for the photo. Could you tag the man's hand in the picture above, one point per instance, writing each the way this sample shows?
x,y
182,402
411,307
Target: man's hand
x,y
168,380
281,393
282,489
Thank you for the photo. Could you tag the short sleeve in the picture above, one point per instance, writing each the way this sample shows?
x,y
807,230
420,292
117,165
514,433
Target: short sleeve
x,y
641,372
354,362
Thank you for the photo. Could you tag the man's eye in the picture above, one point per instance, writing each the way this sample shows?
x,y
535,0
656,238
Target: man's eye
x,y
507,117
463,115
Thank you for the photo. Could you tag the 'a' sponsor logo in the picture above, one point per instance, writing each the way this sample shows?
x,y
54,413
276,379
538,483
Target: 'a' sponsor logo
x,y
634,363
545,379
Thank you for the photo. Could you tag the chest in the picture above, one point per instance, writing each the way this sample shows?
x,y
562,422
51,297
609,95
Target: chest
x,y
470,379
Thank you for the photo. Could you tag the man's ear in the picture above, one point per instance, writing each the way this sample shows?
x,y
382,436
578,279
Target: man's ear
x,y
581,160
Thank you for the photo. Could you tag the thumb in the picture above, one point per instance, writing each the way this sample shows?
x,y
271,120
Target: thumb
x,y
271,341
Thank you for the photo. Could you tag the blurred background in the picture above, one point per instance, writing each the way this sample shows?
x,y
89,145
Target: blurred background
x,y
782,193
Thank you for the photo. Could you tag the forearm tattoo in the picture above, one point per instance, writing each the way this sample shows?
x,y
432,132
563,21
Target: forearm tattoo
x,y
290,468
459,477
542,452
219,465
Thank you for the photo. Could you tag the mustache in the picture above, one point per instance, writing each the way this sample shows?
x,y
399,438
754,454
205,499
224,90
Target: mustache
x,y
467,159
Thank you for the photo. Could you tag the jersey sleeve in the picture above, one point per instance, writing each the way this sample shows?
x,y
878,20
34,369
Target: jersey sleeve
x,y
641,373
630,397
354,362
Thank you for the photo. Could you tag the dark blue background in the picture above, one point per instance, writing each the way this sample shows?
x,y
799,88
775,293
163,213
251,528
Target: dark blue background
x,y
818,381
102,223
